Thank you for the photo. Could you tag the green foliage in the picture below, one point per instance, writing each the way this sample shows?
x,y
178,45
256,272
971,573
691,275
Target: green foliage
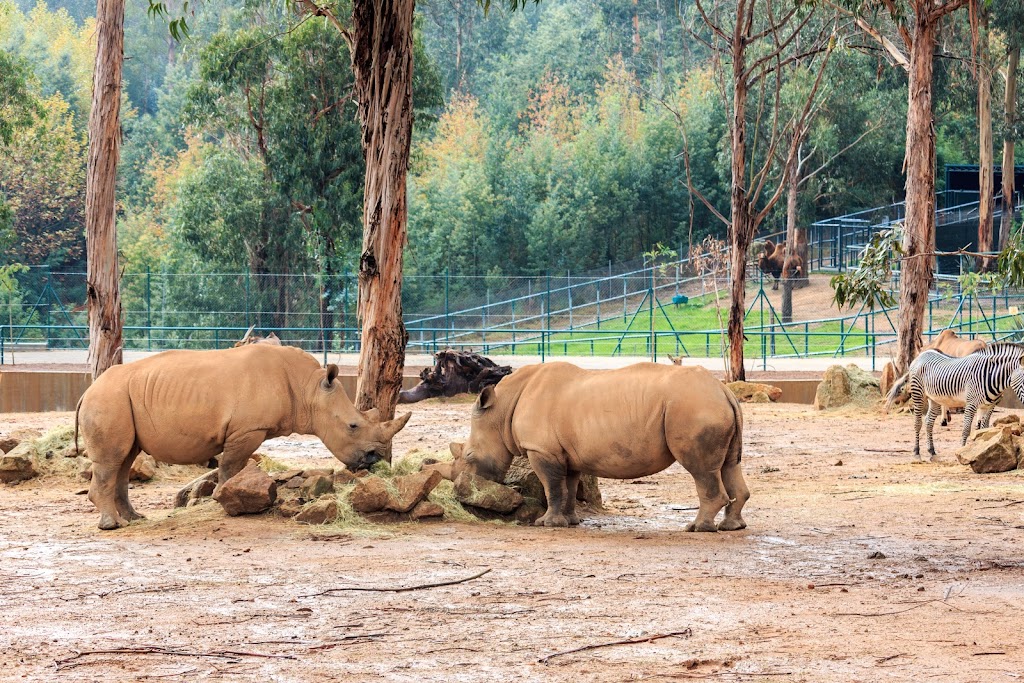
x,y
18,105
868,283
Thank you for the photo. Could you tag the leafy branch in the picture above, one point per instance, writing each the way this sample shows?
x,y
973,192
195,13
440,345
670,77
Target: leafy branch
x,y
868,282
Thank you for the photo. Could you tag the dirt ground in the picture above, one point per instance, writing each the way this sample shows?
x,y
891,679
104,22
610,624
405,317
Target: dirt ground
x,y
857,565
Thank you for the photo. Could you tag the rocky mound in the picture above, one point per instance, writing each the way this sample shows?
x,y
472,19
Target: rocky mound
x,y
999,448
847,385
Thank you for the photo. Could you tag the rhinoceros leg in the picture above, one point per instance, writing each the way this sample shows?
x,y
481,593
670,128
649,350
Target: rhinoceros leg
x,y
124,506
572,483
237,450
552,474
711,493
739,494
103,494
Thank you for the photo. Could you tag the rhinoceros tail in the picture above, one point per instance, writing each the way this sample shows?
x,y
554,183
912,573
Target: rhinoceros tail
x,y
77,408
735,452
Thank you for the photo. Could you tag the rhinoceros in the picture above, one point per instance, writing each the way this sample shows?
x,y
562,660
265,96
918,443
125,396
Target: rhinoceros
x,y
185,407
617,424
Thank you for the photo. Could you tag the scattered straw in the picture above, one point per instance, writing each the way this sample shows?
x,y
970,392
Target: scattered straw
x,y
444,495
269,465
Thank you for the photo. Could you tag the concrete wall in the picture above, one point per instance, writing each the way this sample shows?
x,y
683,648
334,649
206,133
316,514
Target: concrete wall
x,y
43,392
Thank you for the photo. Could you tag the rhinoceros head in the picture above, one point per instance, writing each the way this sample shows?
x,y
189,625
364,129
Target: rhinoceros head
x,y
484,453
356,438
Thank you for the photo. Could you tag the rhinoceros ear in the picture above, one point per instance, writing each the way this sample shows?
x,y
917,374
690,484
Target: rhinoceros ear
x,y
330,376
456,448
486,399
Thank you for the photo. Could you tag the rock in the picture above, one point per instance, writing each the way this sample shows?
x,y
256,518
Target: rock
x,y
292,507
589,492
530,511
16,467
342,477
318,472
286,475
843,385
318,485
143,469
85,469
1006,420
410,489
483,493
248,492
425,509
523,479
877,555
991,450
197,489
321,511
370,494
442,468
294,483
747,391
8,444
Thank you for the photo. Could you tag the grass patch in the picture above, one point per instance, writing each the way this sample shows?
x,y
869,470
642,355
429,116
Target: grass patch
x,y
56,441
444,495
269,465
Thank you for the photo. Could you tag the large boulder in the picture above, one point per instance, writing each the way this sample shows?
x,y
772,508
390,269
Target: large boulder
x,y
321,511
992,450
317,485
523,479
478,492
8,443
747,392
143,469
248,492
370,494
842,386
17,465
411,489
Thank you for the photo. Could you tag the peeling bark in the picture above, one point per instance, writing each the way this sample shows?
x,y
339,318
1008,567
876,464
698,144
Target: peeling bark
x,y
103,276
382,61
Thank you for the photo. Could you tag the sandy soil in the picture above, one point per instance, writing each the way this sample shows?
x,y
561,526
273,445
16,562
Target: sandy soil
x,y
798,596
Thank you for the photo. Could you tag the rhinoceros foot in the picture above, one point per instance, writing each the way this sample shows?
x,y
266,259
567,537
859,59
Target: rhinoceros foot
x,y
731,524
703,526
553,520
109,521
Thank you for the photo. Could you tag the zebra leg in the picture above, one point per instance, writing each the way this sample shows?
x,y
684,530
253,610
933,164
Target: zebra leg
x,y
934,409
986,415
917,400
969,411
945,417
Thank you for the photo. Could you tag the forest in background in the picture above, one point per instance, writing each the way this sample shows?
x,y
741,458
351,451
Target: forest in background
x,y
546,140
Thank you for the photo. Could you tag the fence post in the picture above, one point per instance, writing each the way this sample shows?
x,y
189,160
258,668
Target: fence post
x,y
568,291
650,312
247,322
149,311
547,297
447,313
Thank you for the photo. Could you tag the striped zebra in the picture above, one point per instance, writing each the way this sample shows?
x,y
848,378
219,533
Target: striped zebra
x,y
974,382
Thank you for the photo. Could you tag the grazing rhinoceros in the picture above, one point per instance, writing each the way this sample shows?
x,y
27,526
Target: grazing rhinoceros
x,y
185,407
617,424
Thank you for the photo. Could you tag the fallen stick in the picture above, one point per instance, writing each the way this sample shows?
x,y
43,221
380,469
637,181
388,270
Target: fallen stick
x,y
173,652
400,589
629,641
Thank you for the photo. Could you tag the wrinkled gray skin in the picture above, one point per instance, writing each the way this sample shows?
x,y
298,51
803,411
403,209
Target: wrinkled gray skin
x,y
617,424
185,407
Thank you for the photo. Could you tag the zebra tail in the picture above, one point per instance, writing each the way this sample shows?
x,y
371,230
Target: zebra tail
x,y
897,389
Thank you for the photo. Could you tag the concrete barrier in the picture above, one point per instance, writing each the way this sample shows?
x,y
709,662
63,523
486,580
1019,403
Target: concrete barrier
x,y
44,392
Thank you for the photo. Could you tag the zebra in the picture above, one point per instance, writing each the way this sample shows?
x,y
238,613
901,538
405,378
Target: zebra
x,y
976,382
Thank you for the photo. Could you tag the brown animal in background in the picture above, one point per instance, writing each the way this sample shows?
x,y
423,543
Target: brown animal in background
x,y
772,260
794,270
185,407
950,344
618,424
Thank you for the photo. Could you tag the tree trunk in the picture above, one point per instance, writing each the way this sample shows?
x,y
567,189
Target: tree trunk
x,y
793,182
986,177
919,231
104,297
382,55
740,217
1010,112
